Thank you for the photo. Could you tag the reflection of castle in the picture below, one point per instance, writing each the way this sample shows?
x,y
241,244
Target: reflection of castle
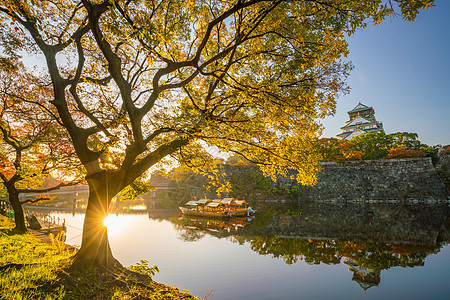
x,y
365,277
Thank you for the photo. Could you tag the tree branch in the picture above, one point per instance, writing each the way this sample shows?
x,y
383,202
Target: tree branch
x,y
73,91
57,187
114,66
128,175
52,115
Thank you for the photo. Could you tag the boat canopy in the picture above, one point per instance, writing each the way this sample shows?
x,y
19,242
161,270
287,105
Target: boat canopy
x,y
213,204
228,199
217,202
203,201
223,201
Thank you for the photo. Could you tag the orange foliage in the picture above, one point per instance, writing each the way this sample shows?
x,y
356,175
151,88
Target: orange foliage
x,y
446,150
31,139
6,167
349,248
403,152
407,250
349,151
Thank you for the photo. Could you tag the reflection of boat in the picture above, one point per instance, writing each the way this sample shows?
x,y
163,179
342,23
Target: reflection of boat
x,y
214,225
218,208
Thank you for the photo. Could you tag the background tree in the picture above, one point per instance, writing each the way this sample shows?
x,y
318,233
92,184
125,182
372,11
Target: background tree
x,y
430,152
373,145
32,144
408,139
330,149
407,144
147,80
403,152
237,160
350,151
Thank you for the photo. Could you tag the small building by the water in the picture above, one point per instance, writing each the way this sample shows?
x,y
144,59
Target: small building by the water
x,y
362,119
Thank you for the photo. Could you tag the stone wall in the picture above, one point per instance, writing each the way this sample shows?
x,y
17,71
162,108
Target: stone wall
x,y
387,179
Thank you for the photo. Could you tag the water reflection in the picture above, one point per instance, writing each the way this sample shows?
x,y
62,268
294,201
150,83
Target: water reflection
x,y
191,229
290,252
369,238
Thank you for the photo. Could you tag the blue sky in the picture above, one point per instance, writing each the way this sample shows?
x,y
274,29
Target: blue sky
x,y
402,70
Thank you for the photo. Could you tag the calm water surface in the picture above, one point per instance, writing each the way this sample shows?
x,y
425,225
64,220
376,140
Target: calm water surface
x,y
323,251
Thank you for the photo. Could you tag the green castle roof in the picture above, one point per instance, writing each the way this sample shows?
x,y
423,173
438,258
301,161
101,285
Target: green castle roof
x,y
365,107
363,124
344,134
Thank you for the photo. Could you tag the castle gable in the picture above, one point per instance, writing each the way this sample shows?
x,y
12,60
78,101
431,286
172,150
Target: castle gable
x,y
359,120
356,132
360,106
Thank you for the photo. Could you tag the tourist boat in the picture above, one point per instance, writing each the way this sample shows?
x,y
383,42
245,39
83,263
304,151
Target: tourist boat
x,y
218,208
201,213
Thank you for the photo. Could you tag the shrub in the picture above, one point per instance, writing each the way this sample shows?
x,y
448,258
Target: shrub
x,y
402,152
349,151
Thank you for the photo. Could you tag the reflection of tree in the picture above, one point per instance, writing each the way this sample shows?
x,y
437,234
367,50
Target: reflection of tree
x,y
185,233
291,250
365,259
190,234
382,256
375,256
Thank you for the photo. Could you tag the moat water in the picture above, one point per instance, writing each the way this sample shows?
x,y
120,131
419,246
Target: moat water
x,y
320,251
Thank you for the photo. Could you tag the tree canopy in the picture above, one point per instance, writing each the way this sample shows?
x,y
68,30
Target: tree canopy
x,y
32,144
375,145
138,81
145,79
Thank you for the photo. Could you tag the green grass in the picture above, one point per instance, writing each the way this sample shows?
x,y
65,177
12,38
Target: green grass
x,y
27,264
33,269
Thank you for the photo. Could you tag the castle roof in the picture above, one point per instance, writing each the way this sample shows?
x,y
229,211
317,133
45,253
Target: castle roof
x,y
345,134
352,124
359,107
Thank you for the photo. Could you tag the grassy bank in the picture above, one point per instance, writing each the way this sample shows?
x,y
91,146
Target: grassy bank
x,y
33,269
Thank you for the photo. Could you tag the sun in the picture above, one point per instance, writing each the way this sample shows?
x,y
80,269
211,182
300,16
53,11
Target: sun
x,y
114,224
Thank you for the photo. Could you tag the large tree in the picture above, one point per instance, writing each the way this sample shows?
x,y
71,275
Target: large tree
x,y
32,143
138,81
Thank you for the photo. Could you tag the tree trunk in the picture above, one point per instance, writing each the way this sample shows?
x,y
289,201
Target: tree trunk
x,y
19,218
95,249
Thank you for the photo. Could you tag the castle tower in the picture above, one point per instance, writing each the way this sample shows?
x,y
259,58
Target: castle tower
x,y
362,119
